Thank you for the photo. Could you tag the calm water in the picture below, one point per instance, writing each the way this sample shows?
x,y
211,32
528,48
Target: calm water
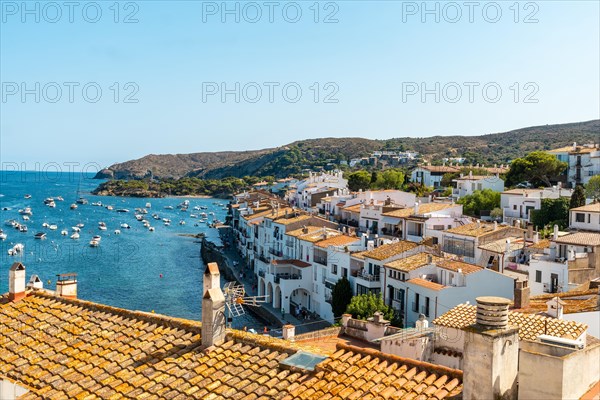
x,y
138,269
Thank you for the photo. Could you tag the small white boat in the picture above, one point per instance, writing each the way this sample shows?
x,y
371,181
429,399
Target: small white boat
x,y
109,208
3,235
97,238
64,232
94,243
81,200
167,224
48,200
73,206
168,207
193,216
122,210
75,236
10,222
52,204
117,232
25,211
151,228
59,198
101,223
125,226
80,225
53,227
155,216
75,229
28,196
97,204
17,248
25,218
45,225
182,222
40,235
139,217
203,215
23,228
102,228
148,205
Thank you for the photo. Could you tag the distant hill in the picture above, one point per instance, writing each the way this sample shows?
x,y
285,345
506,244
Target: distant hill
x,y
496,148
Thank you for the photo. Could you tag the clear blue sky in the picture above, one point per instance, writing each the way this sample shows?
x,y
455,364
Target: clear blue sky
x,y
370,55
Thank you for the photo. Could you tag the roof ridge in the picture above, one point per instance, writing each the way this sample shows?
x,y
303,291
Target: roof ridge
x,y
421,365
172,322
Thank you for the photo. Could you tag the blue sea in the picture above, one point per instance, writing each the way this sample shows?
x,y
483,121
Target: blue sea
x,y
137,270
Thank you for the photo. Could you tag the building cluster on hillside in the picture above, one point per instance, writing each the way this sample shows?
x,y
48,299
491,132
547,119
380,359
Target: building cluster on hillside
x,y
583,162
422,255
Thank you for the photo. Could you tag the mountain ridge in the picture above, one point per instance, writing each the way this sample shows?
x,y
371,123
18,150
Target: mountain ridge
x,y
491,148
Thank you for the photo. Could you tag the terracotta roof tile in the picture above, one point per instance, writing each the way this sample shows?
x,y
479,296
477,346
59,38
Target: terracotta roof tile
x,y
580,238
341,240
594,207
389,250
426,284
413,262
426,208
530,325
87,350
476,229
452,265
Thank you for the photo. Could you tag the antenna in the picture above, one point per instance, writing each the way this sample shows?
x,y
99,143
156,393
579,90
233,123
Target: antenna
x,y
235,299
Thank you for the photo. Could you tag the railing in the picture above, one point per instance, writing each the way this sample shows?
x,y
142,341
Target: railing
x,y
289,243
277,253
369,277
320,260
261,273
286,276
264,259
414,233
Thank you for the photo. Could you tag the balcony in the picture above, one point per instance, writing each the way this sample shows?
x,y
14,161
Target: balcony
x,y
261,273
368,277
320,260
277,253
289,243
264,259
286,276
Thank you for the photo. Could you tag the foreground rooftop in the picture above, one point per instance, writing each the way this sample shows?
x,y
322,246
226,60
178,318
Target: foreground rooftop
x,y
60,348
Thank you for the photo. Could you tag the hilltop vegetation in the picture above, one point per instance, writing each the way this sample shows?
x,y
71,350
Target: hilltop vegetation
x,y
497,148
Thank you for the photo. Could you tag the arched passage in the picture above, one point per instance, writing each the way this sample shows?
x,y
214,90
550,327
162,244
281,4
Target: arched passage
x,y
277,298
269,292
261,287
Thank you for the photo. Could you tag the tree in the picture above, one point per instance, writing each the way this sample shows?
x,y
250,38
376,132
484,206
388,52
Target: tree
x,y
341,295
365,305
389,179
485,199
496,213
578,197
374,177
552,212
536,167
359,180
592,189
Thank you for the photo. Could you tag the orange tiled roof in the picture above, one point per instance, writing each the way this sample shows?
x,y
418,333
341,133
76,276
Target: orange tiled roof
x,y
412,262
531,326
341,240
299,232
439,168
258,213
474,230
389,250
580,239
426,284
540,245
353,208
72,349
319,235
593,207
452,265
426,208
291,220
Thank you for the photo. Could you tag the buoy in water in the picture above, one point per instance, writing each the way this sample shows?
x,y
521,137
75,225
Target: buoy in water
x,y
161,275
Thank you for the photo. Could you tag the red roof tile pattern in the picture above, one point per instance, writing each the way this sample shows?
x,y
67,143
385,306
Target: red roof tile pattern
x,y
72,349
530,325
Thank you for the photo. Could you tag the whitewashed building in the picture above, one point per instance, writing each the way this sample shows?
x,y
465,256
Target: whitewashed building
x,y
517,204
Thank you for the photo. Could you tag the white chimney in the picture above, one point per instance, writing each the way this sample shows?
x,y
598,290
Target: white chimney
x,y
16,282
495,225
507,248
213,308
536,238
555,233
35,282
555,307
491,353
422,323
288,332
66,285
416,207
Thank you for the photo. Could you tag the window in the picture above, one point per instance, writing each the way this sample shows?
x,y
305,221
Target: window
x,y
415,307
434,240
334,269
589,218
579,217
459,247
538,276
344,272
426,308
514,207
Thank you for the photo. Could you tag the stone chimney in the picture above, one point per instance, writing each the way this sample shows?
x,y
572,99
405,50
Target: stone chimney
x,y
213,308
288,332
491,353
16,282
66,285
522,294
